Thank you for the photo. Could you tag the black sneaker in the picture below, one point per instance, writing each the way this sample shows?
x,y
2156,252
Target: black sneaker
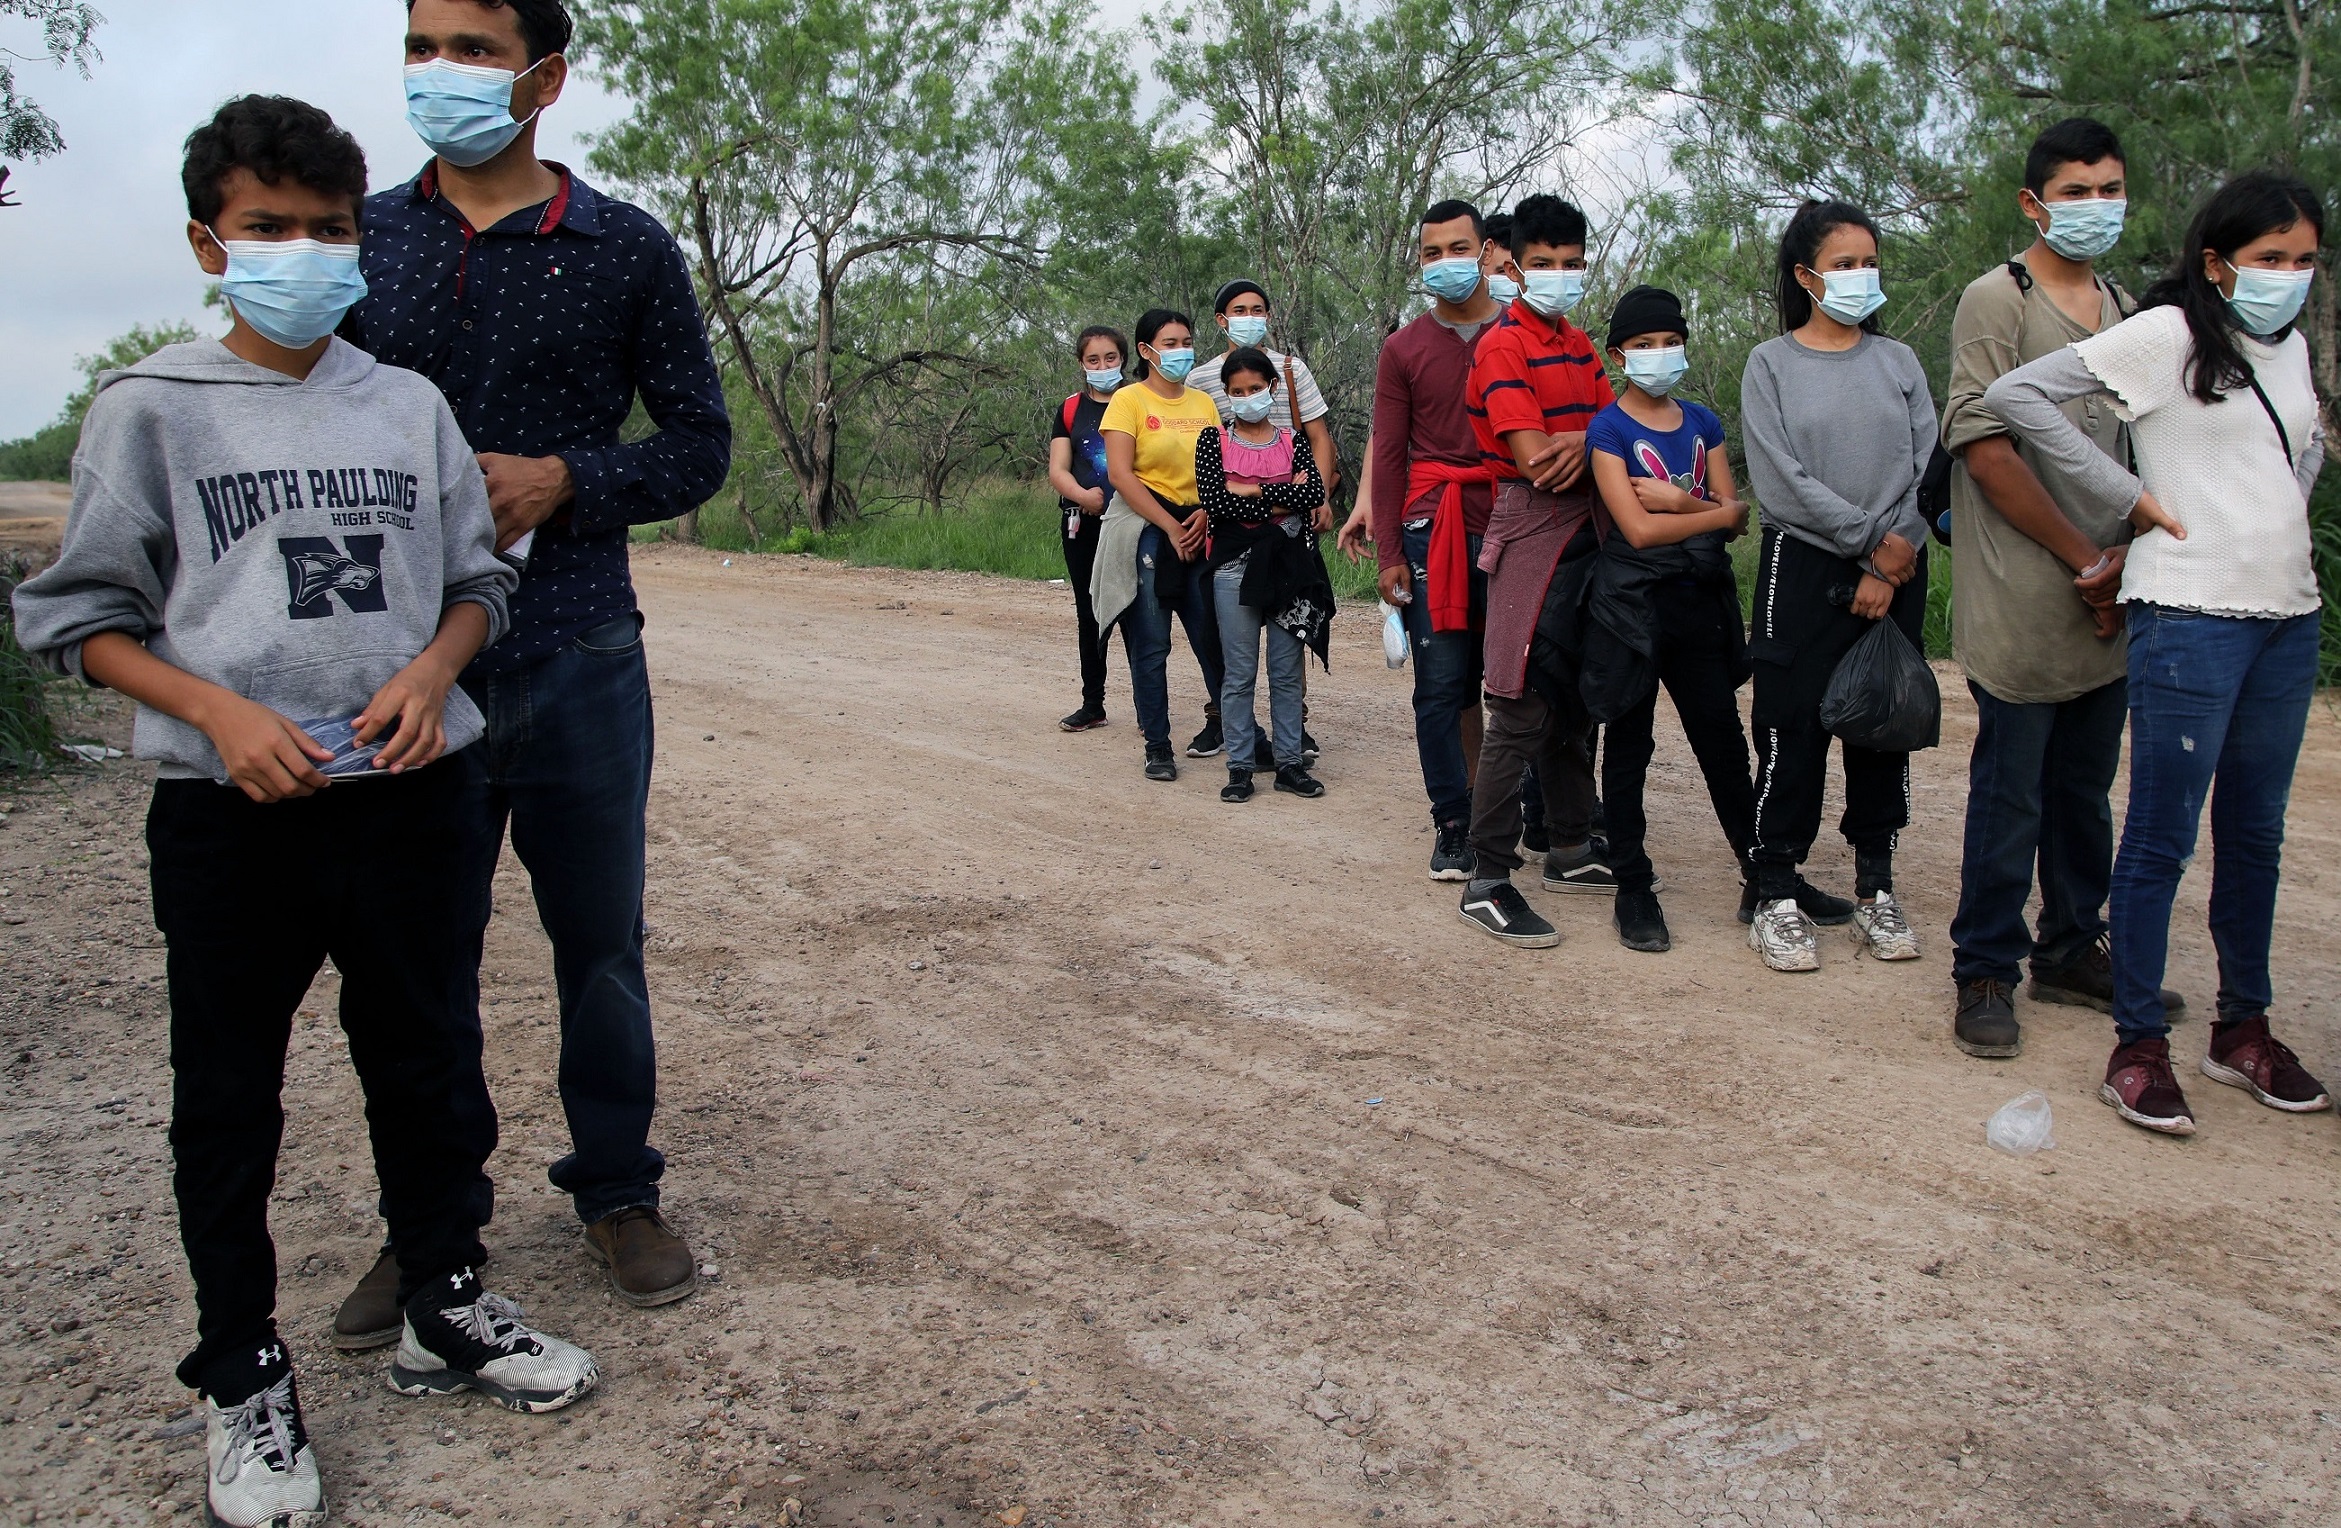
x,y
1506,914
1238,787
1985,1022
460,1337
1586,875
1082,720
1159,763
1817,905
1452,857
1295,780
1310,752
1535,839
1208,741
1641,924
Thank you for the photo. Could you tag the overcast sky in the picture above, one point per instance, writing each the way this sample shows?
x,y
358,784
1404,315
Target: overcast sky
x,y
99,241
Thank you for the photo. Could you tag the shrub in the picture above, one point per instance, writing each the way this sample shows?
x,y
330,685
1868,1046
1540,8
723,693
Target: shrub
x,y
28,727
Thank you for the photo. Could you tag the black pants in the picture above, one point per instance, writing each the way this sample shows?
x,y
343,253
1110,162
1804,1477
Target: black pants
x,y
1080,558
252,899
1698,652
1803,626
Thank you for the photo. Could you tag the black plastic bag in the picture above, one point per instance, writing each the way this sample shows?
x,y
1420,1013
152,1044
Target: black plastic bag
x,y
1883,696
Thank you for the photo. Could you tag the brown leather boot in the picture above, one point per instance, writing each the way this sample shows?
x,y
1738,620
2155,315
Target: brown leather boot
x,y
370,1317
649,1264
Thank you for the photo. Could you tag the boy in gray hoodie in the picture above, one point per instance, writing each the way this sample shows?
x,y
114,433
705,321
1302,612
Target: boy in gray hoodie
x,y
283,552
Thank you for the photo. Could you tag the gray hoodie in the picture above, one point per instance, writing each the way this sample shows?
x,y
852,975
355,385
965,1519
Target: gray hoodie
x,y
293,541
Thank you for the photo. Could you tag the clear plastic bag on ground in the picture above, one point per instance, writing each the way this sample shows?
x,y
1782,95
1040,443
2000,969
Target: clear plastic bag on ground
x,y
1394,643
2022,1126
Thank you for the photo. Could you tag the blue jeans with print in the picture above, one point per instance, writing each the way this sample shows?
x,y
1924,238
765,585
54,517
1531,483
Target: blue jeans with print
x,y
1240,630
2217,708
566,763
1146,633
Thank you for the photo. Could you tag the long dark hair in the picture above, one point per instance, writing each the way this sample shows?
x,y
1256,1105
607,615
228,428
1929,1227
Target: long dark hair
x,y
2251,206
1800,244
1151,323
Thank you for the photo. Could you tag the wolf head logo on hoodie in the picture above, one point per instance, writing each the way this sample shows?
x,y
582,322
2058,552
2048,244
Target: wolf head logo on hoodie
x,y
317,572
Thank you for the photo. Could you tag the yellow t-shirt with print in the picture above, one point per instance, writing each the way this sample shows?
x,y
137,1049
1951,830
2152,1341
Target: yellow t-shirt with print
x,y
1165,430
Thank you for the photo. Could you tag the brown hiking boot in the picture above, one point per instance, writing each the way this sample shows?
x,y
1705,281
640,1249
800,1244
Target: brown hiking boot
x,y
649,1264
2244,1055
2086,981
1984,1024
2142,1089
370,1317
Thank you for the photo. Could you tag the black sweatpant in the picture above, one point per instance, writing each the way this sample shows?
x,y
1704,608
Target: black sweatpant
x,y
1080,559
1698,650
252,899
1804,624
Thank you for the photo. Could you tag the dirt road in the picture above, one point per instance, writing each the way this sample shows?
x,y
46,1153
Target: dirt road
x,y
32,518
1077,1150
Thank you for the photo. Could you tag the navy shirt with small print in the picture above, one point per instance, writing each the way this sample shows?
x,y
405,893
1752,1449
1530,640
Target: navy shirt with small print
x,y
541,330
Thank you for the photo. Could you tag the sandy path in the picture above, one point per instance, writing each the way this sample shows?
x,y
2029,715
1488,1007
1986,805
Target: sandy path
x,y
1024,1107
32,518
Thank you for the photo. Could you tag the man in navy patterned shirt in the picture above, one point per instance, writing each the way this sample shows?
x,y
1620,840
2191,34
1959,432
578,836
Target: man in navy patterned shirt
x,y
542,309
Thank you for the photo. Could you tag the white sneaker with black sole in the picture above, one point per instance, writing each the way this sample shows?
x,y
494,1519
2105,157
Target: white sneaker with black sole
x,y
1503,912
460,1337
1880,928
263,1472
1780,934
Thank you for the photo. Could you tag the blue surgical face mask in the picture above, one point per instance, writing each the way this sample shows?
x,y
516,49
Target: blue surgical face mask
x,y
2264,301
1553,293
1252,407
1104,381
293,292
1451,280
1656,372
1175,364
2085,229
1247,329
1504,289
463,112
1851,296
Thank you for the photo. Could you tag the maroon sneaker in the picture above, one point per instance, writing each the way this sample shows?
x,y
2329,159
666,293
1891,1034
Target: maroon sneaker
x,y
2142,1089
2244,1055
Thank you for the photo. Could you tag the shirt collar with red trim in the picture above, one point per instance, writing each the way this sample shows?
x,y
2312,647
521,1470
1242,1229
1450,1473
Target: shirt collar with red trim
x,y
576,206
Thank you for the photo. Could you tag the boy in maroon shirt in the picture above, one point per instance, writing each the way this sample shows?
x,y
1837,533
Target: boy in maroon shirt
x,y
1536,383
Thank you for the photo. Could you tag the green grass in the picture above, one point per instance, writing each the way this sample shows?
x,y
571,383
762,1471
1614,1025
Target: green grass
x,y
28,723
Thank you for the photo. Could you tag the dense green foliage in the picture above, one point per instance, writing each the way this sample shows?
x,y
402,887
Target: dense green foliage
x,y
47,454
28,726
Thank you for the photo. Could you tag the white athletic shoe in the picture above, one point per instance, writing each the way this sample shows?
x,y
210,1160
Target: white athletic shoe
x,y
1880,928
263,1472
1780,934
459,1337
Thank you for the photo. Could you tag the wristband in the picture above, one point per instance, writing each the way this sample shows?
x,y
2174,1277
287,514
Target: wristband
x,y
2104,561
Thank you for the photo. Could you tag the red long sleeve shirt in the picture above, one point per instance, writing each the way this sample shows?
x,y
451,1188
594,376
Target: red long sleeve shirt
x,y
1419,416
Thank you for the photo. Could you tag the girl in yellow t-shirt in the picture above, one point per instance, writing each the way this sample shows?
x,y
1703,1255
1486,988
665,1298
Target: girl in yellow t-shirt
x,y
1149,432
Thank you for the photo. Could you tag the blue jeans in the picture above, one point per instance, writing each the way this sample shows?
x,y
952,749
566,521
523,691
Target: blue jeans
x,y
1146,634
1240,628
1448,668
2037,788
567,765
2217,707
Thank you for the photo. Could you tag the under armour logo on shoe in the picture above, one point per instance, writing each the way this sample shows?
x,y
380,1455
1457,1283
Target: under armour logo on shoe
x,y
455,1280
272,1354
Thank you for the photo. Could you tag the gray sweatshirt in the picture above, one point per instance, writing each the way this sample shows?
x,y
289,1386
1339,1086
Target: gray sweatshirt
x,y
1837,441
293,541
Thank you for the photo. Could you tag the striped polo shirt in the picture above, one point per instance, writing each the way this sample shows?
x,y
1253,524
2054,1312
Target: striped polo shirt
x,y
1532,373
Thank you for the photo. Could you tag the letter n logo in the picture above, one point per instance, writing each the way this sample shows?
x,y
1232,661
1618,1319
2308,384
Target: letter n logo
x,y
317,572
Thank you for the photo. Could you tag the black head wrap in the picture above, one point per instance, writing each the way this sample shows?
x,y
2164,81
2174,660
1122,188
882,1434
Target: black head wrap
x,y
1646,310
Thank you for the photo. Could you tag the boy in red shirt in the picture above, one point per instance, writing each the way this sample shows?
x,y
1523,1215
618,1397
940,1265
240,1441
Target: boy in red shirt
x,y
1536,383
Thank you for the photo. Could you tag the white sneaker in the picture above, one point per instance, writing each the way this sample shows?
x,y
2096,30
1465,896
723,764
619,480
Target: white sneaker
x,y
263,1472
457,1336
1880,928
1781,935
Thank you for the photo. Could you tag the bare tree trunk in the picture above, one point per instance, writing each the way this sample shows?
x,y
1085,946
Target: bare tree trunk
x,y
748,518
684,527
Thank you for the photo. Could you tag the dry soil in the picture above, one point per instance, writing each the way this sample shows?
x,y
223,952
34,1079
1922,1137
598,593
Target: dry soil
x,y
1070,1149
